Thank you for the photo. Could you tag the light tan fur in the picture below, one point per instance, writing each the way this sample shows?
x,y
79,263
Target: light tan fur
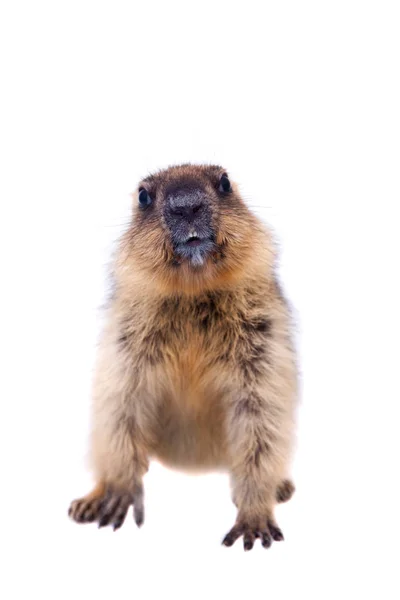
x,y
196,367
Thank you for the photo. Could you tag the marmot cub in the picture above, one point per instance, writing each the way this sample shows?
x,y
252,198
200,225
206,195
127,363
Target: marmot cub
x,y
196,365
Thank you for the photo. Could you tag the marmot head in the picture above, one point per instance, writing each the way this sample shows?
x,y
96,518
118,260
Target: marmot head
x,y
192,232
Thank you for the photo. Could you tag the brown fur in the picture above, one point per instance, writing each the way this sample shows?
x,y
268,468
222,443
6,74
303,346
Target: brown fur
x,y
196,367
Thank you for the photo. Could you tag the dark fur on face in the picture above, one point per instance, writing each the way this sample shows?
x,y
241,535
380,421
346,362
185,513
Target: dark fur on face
x,y
193,232
188,214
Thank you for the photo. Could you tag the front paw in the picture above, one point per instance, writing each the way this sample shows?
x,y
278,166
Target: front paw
x,y
108,506
264,528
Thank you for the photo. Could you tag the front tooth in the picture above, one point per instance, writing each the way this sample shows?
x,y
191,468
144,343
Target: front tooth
x,y
193,233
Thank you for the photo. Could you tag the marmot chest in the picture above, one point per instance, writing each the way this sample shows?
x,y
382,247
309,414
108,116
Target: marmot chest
x,y
191,344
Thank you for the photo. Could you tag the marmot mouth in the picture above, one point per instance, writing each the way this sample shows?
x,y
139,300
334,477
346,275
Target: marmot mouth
x,y
195,249
193,240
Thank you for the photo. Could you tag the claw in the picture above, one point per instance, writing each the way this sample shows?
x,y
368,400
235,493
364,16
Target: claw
x,y
138,512
104,521
138,505
248,540
251,533
118,524
276,533
232,536
266,540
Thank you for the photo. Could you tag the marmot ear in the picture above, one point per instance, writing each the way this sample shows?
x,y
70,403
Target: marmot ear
x,y
224,184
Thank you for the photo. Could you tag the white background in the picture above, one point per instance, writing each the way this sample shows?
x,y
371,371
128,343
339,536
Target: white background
x,y
300,101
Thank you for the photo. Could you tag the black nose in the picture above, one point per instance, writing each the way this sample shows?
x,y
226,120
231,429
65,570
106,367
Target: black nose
x,y
185,205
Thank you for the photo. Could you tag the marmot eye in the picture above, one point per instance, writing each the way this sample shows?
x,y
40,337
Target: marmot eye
x,y
144,198
224,184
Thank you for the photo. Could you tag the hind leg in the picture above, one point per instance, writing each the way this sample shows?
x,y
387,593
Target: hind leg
x,y
285,490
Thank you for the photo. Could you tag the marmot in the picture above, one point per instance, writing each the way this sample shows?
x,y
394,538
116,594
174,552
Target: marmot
x,y
196,365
